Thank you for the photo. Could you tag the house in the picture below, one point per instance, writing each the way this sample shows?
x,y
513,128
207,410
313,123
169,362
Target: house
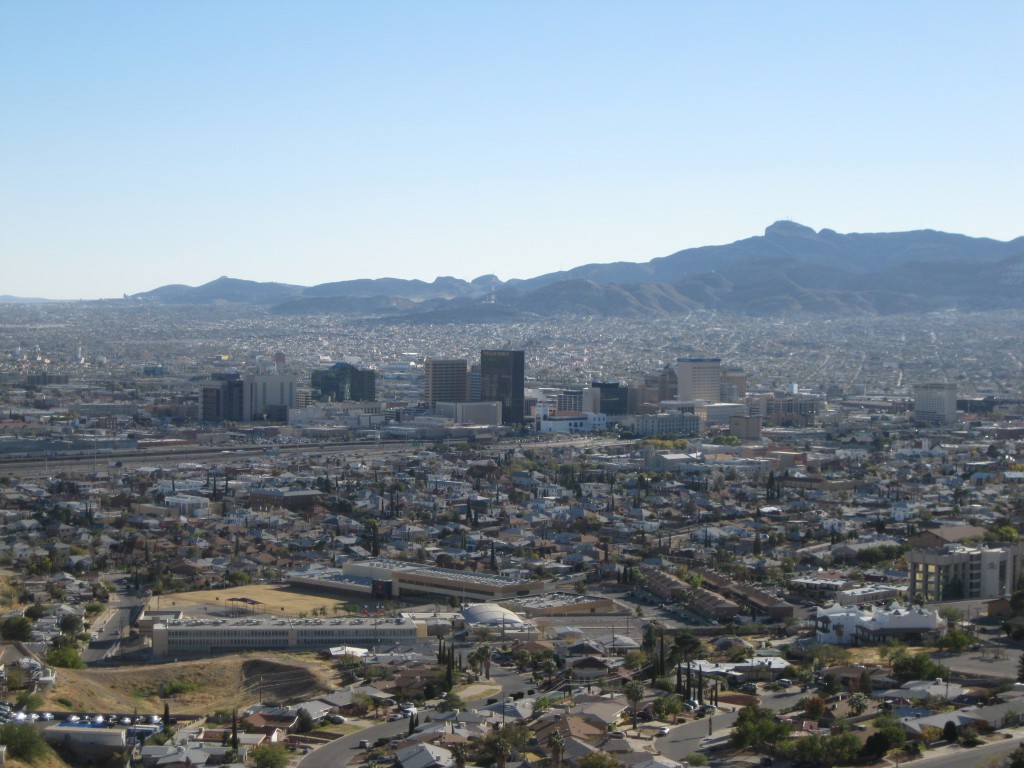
x,y
424,756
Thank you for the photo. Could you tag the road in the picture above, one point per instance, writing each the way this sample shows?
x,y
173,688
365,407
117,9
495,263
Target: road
x,y
339,752
977,757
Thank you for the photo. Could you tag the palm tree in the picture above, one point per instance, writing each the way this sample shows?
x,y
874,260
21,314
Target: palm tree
x,y
504,751
460,754
634,691
556,746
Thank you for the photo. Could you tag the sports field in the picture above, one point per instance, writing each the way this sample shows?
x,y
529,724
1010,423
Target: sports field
x,y
254,598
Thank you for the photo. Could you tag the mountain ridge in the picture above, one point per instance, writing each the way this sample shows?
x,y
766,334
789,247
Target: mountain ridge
x,y
789,268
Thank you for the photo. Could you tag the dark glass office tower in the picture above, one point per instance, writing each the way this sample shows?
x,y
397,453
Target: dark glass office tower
x,y
502,378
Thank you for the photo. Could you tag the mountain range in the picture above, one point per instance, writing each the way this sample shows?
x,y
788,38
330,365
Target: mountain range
x,y
790,268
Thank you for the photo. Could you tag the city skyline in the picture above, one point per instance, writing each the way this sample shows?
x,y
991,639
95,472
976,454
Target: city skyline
x,y
149,146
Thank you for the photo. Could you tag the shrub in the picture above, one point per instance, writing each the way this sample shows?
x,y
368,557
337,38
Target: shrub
x,y
66,657
24,742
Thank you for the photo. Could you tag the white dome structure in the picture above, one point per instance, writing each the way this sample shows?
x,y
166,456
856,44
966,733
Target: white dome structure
x,y
492,615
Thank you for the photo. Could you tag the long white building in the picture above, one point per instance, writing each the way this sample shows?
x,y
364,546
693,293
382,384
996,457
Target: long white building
x,y
200,637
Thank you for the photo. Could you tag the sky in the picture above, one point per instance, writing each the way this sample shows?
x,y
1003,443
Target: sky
x,y
149,143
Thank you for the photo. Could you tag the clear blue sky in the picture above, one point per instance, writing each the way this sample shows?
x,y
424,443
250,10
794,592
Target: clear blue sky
x,y
145,143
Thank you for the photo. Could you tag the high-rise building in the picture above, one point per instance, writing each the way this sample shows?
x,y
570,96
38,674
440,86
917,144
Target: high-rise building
x,y
446,381
503,378
268,398
935,403
220,398
344,381
699,378
608,397
734,384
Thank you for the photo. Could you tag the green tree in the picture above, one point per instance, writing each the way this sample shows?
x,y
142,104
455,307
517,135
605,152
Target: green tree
x,y
859,702
916,666
70,624
66,657
949,732
270,756
1020,668
450,703
890,735
16,628
305,720
756,726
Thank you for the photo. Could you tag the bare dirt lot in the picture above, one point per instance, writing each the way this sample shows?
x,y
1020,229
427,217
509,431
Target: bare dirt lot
x,y
198,686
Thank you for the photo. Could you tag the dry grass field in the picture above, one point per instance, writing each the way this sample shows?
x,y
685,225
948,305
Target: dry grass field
x,y
274,599
200,686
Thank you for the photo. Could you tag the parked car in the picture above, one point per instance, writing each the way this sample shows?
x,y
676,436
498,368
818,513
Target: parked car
x,y
663,731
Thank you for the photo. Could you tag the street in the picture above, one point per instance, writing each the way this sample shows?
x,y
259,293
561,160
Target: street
x,y
338,753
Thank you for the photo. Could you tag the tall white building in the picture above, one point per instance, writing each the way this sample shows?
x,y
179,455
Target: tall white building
x,y
699,378
935,403
268,397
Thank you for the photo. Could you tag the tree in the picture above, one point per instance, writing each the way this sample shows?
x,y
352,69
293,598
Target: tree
x,y
859,702
460,753
450,703
16,628
1020,668
167,716
634,691
916,666
70,625
66,657
234,730
305,720
598,759
270,756
814,707
949,732
890,735
956,640
556,747
756,726
1016,758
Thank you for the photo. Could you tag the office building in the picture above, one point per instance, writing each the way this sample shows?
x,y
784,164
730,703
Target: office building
x,y
445,381
673,423
935,403
503,378
609,398
958,572
220,398
268,398
344,381
745,427
699,378
734,385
